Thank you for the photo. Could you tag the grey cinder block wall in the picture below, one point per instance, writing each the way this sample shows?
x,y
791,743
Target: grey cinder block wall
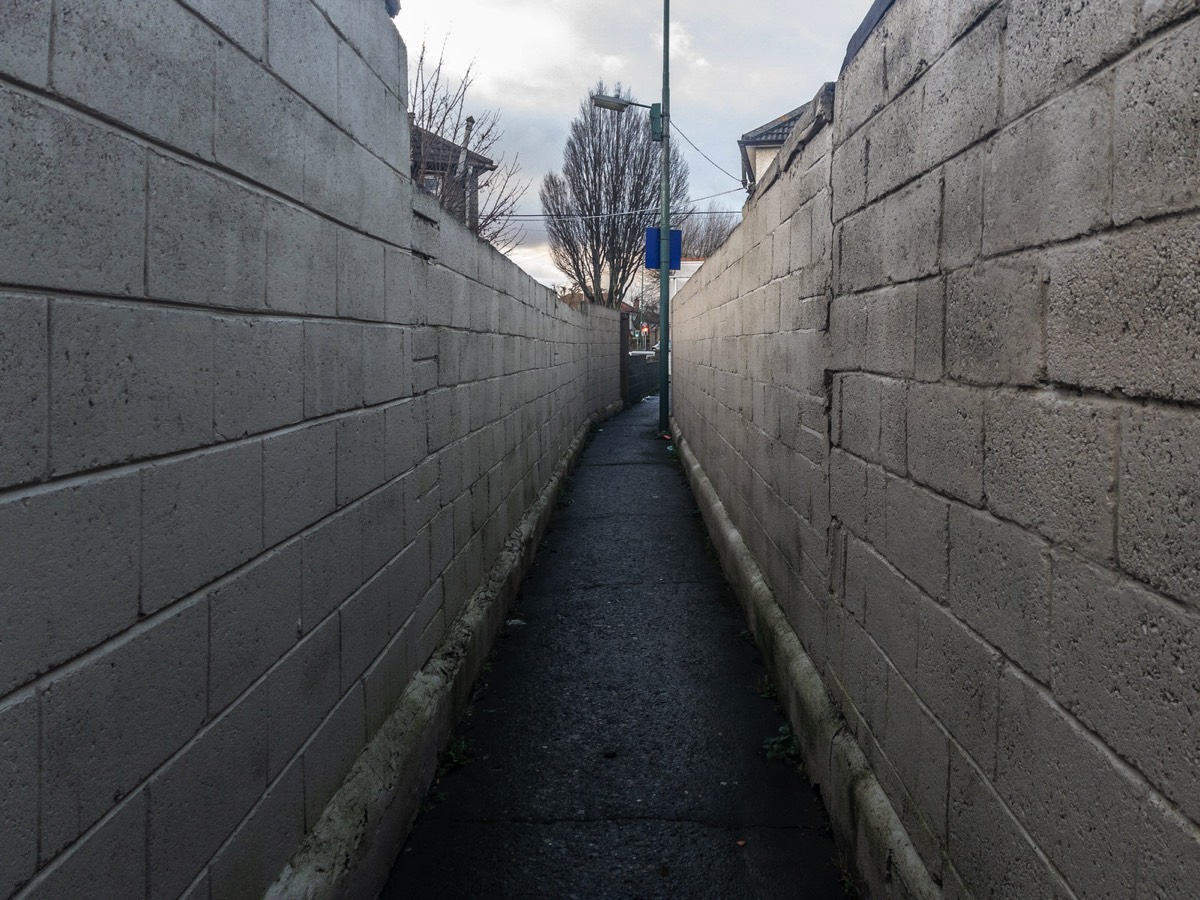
x,y
945,380
268,418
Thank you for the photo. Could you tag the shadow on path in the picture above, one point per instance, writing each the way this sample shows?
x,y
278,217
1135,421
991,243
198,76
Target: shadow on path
x,y
615,748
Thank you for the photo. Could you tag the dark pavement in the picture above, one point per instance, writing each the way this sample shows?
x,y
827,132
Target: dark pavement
x,y
615,747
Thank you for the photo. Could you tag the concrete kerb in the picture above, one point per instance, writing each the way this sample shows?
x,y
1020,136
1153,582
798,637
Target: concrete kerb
x,y
863,819
352,848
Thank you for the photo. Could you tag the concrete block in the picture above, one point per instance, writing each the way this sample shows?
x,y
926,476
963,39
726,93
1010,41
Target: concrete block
x,y
962,212
847,332
141,63
860,399
451,357
364,629
385,681
257,852
24,388
920,754
406,438
929,340
961,94
862,88
890,339
197,801
360,454
332,752
993,322
448,416
426,343
303,51
404,280
201,518
334,174
891,606
1049,175
48,236
253,620
1116,323
916,535
25,54
299,480
1158,529
988,849
894,240
110,862
368,110
61,548
1051,46
360,277
332,564
208,238
18,784
333,367
127,383
387,364
408,580
263,129
441,541
1000,586
90,757
1156,129
374,36
1168,853
1050,465
383,526
1121,664
848,176
945,439
301,261
896,135
864,675
1075,800
300,691
958,678
243,23
259,375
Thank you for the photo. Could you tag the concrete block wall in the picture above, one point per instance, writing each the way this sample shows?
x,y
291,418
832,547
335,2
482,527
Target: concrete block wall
x,y
269,417
949,394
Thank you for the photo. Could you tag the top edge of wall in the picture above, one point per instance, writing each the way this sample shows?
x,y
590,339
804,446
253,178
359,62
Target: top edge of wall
x,y
874,16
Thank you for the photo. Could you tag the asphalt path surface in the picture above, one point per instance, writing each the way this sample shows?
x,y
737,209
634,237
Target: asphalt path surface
x,y
616,743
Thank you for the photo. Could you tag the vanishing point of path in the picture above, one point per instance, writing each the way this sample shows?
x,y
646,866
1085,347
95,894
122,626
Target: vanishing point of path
x,y
616,746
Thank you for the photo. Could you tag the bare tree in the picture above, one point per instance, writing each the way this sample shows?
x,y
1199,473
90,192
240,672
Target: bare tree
x,y
598,209
470,171
706,230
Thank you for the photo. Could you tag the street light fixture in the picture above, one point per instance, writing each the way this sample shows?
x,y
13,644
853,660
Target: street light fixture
x,y
660,131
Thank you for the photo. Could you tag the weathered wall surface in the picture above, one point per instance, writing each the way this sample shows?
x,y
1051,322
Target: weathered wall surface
x,y
268,419
945,379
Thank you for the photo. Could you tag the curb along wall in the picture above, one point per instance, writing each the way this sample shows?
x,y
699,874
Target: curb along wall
x,y
269,418
944,379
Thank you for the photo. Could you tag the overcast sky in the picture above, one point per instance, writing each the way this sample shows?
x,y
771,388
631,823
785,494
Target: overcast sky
x,y
734,66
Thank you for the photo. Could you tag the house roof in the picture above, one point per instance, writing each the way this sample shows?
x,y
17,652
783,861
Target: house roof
x,y
775,131
772,134
441,155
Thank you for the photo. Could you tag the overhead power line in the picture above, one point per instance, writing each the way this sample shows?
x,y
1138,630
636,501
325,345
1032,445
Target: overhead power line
x,y
641,212
702,153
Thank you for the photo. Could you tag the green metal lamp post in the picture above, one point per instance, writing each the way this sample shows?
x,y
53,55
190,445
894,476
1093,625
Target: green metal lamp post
x,y
660,131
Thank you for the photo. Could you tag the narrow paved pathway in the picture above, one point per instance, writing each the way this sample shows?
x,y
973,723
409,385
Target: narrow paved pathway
x,y
615,747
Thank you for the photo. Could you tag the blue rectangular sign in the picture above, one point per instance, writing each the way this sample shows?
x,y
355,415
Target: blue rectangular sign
x,y
652,248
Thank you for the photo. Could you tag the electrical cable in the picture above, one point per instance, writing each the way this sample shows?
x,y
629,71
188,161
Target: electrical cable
x,y
705,155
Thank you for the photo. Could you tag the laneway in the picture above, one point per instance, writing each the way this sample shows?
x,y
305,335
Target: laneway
x,y
616,746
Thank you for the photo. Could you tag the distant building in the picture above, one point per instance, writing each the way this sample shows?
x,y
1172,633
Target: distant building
x,y
450,172
760,146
